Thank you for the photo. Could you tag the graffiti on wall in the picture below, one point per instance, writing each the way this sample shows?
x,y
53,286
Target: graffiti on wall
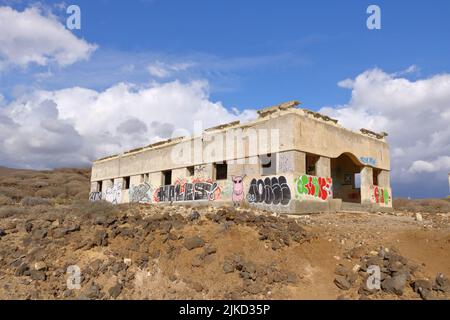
x,y
369,161
95,196
312,187
182,190
238,188
141,193
270,191
114,194
381,196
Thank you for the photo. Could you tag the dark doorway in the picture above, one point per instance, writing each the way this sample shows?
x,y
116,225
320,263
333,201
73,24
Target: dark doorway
x,y
345,173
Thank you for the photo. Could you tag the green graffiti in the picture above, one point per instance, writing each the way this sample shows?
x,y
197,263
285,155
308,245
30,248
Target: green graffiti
x,y
386,196
301,185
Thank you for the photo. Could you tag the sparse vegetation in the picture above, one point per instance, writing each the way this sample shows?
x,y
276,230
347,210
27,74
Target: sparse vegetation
x,y
4,200
422,205
90,209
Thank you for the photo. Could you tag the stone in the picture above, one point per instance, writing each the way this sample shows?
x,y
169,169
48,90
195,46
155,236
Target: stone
x,y
2,233
419,217
38,234
442,283
292,278
194,215
92,291
197,261
155,254
210,250
197,287
101,238
341,271
228,267
40,266
127,261
28,227
116,290
118,266
38,275
394,284
342,283
254,287
193,242
20,271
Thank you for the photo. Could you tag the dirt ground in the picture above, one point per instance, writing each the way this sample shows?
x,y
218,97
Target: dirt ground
x,y
171,252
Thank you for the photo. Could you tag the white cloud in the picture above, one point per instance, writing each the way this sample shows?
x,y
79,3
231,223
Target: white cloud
x,y
163,70
73,126
30,37
416,114
440,164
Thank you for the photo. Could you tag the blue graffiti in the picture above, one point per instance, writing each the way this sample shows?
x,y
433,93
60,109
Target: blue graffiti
x,y
369,161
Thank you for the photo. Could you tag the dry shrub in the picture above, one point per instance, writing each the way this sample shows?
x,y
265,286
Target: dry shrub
x,y
422,205
4,200
83,195
12,192
75,187
8,181
34,201
91,209
38,183
6,212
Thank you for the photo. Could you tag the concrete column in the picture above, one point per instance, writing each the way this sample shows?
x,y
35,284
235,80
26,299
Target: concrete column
x,y
135,180
205,171
293,162
366,184
323,167
384,179
179,174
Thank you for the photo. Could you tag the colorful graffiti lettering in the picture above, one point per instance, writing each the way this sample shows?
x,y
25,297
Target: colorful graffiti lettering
x,y
197,190
381,196
270,191
238,189
114,194
314,187
369,161
141,193
95,196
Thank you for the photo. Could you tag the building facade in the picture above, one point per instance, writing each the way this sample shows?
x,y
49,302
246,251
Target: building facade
x,y
288,160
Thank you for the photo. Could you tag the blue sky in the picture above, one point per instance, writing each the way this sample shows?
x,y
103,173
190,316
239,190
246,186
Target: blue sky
x,y
253,54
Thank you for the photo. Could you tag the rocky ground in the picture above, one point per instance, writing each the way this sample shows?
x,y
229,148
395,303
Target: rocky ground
x,y
50,238
144,252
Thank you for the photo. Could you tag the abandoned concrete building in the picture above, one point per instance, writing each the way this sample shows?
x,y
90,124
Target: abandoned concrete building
x,y
288,160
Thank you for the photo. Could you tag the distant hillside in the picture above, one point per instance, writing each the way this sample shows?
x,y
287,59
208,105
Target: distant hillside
x,y
59,184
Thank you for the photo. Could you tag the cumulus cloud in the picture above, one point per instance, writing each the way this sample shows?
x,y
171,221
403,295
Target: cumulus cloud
x,y
32,37
73,126
416,114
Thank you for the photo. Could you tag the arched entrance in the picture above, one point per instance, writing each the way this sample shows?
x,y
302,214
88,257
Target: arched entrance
x,y
345,172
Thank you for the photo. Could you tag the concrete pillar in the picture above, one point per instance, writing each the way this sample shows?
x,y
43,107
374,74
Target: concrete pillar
x,y
205,171
181,173
293,162
323,167
366,184
384,179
